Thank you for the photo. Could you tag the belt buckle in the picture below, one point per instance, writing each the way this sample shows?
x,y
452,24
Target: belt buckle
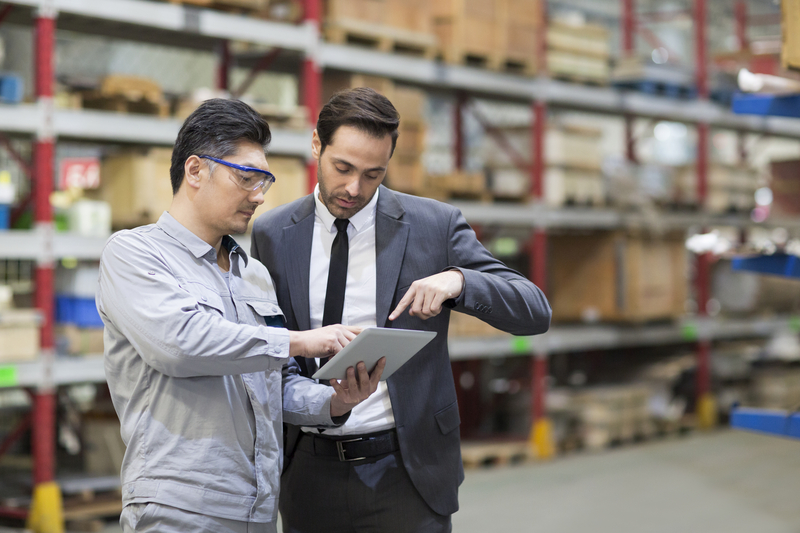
x,y
340,450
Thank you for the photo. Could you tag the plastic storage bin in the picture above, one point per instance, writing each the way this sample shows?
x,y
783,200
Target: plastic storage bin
x,y
79,311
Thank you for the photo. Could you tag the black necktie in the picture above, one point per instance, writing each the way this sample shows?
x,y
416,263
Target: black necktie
x,y
337,278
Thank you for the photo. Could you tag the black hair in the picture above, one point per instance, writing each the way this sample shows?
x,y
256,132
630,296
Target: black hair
x,y
215,129
363,108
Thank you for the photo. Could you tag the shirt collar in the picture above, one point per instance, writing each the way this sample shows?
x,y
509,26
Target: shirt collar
x,y
358,221
196,246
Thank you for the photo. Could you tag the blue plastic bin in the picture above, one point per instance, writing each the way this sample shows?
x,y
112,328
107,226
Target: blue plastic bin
x,y
5,216
81,312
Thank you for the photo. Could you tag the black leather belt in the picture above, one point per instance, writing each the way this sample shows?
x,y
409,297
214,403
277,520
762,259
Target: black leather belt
x,y
350,448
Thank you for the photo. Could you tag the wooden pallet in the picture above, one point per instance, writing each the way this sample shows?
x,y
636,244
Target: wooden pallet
x,y
234,6
126,94
478,454
382,38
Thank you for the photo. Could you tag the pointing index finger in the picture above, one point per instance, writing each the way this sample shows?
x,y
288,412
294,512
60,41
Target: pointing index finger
x,y
407,299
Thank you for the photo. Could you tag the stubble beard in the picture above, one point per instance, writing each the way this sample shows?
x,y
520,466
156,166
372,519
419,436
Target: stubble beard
x,y
330,201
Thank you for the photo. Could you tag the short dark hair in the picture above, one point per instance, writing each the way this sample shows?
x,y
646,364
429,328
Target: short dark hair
x,y
215,129
363,108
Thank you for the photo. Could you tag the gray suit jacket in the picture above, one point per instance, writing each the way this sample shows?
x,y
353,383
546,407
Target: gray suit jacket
x,y
415,238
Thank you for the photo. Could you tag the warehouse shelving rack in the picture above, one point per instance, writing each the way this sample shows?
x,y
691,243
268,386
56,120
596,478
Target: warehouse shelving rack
x,y
180,25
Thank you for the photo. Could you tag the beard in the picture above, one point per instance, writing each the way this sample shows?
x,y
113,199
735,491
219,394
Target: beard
x,y
329,197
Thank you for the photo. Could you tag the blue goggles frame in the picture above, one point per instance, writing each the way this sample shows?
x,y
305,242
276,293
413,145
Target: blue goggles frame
x,y
264,184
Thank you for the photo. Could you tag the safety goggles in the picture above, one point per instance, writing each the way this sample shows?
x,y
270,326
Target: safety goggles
x,y
248,178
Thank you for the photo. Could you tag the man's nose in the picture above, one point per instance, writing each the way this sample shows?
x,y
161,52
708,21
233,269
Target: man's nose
x,y
353,188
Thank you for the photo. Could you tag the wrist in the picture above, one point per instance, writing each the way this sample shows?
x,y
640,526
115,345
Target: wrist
x,y
295,343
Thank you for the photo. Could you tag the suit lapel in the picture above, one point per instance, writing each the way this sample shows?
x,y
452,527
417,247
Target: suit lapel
x,y
298,260
391,235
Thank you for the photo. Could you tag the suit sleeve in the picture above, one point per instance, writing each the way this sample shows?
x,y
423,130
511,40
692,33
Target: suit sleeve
x,y
496,294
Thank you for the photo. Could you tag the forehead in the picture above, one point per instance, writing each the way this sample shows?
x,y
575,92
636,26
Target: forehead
x,y
354,144
249,154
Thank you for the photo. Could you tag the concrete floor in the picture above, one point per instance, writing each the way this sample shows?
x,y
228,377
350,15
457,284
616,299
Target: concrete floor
x,y
724,482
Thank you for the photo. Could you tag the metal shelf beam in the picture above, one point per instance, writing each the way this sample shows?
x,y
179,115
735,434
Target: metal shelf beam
x,y
108,126
562,339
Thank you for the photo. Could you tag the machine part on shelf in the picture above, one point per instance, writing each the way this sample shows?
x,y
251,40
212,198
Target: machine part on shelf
x,y
46,514
750,82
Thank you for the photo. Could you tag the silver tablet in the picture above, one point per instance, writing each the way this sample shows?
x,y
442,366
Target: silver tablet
x,y
397,345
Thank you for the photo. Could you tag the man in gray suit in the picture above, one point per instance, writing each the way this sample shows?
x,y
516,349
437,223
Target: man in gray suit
x,y
360,254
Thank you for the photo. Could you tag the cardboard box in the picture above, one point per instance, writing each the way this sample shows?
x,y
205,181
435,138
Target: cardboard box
x,y
80,341
103,448
612,276
137,186
790,33
19,335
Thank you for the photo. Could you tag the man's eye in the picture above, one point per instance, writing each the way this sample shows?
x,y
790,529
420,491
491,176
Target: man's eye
x,y
343,170
373,176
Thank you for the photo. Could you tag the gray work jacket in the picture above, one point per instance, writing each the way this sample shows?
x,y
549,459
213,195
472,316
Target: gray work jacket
x,y
196,376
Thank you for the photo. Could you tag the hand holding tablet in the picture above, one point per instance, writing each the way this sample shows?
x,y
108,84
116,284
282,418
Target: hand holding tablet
x,y
397,345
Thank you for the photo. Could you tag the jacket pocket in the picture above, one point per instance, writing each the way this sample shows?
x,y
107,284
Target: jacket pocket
x,y
263,309
206,298
448,418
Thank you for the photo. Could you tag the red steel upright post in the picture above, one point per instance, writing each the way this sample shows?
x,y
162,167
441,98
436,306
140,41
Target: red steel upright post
x,y
223,65
740,13
44,148
705,404
311,79
628,31
541,437
46,511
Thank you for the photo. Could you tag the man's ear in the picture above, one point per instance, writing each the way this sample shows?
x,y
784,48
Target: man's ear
x,y
316,146
192,170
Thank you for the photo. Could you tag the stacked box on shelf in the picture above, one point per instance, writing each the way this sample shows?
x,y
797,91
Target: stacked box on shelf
x,y
387,25
790,25
730,188
613,414
574,161
80,329
137,186
19,335
776,389
614,276
578,52
120,93
468,30
785,185
496,34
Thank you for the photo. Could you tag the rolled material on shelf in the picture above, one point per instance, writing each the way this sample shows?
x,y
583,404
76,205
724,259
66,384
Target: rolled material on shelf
x,y
750,82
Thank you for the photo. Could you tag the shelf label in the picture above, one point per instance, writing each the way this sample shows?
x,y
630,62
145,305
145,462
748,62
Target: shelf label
x,y
690,332
9,376
521,345
794,323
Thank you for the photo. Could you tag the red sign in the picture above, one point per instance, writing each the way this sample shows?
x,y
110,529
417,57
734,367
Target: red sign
x,y
79,172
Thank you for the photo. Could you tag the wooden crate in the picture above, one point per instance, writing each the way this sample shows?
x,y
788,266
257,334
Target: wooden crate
x,y
137,186
612,276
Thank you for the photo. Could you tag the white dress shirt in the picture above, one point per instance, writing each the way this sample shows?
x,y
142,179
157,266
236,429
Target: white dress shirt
x,y
374,413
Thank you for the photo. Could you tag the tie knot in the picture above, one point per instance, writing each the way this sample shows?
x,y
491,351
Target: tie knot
x,y
341,224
